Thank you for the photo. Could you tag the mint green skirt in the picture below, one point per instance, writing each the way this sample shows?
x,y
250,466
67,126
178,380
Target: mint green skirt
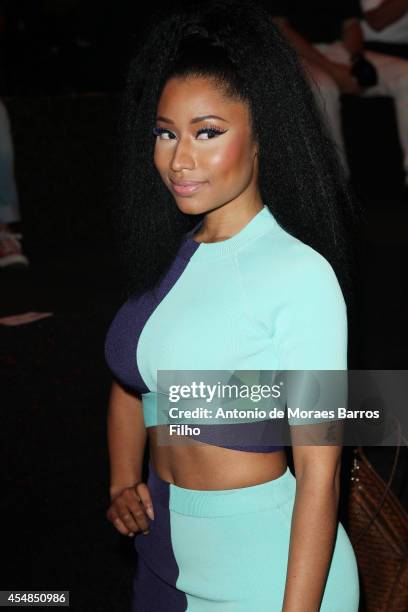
x,y
227,551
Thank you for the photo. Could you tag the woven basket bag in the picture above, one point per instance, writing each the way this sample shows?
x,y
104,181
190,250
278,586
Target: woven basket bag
x,y
378,530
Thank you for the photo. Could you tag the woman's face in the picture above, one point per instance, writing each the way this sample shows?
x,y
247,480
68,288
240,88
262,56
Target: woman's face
x,y
204,151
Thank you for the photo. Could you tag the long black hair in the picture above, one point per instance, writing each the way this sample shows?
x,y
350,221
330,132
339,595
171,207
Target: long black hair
x,y
301,178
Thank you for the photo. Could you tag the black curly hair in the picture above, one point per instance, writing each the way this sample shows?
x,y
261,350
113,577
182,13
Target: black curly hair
x,y
301,179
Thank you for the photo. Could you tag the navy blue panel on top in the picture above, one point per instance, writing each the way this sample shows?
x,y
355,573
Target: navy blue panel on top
x,y
124,332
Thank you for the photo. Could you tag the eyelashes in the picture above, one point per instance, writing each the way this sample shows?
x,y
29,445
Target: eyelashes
x,y
212,132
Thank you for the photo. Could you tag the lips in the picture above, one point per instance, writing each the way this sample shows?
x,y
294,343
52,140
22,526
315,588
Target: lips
x,y
186,187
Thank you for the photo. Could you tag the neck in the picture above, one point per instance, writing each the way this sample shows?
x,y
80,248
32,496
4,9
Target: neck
x,y
226,220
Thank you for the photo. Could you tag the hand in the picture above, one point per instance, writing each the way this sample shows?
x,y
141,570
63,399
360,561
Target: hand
x,y
347,83
128,510
364,71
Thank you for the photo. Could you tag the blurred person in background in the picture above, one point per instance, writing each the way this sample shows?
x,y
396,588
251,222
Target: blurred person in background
x,y
385,26
10,248
330,40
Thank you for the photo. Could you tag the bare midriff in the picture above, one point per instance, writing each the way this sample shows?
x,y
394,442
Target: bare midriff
x,y
197,465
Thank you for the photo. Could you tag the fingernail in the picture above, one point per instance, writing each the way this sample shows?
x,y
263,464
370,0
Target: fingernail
x,y
149,512
130,534
146,532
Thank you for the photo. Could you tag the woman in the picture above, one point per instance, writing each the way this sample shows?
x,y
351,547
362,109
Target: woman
x,y
220,126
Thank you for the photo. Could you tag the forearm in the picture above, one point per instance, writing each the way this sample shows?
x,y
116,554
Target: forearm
x,y
313,529
126,438
386,14
304,48
353,38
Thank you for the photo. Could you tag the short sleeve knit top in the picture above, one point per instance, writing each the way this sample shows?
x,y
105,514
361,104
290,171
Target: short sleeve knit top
x,y
260,300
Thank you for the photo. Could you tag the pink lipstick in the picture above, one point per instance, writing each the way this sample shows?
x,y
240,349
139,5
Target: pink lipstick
x,y
186,187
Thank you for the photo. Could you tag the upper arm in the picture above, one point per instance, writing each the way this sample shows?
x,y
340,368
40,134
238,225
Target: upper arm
x,y
312,340
311,327
312,335
119,394
125,408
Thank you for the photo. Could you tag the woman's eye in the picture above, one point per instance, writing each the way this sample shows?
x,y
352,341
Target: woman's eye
x,y
162,133
207,133
210,132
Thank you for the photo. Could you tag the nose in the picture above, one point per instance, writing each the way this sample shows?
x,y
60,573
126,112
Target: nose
x,y
183,157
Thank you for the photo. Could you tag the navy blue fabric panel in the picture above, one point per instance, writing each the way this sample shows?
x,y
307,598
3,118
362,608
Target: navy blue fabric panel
x,y
124,332
154,586
122,338
152,594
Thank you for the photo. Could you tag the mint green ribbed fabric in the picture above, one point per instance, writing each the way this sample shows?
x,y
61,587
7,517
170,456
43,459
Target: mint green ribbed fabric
x,y
261,300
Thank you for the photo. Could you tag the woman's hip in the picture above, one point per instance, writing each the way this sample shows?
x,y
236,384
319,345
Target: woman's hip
x,y
227,545
220,538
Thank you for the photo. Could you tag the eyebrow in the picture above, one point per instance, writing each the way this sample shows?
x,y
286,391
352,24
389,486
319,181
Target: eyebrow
x,y
195,120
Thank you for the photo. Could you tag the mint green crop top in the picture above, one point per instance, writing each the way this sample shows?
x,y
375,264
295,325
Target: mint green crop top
x,y
260,300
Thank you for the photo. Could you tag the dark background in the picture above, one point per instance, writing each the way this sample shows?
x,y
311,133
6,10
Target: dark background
x,y
63,65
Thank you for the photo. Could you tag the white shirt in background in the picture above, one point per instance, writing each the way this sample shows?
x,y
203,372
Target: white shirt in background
x,y
396,32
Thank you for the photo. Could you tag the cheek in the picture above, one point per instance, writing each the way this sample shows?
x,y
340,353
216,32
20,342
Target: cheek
x,y
232,158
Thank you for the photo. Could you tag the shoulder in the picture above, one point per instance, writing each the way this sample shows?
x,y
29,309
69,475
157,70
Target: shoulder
x,y
278,261
293,290
310,275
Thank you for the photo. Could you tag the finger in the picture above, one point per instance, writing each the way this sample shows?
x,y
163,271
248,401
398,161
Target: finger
x,y
118,510
121,527
130,503
135,507
127,508
116,521
143,491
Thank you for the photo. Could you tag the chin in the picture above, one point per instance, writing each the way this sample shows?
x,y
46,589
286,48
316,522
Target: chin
x,y
189,207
